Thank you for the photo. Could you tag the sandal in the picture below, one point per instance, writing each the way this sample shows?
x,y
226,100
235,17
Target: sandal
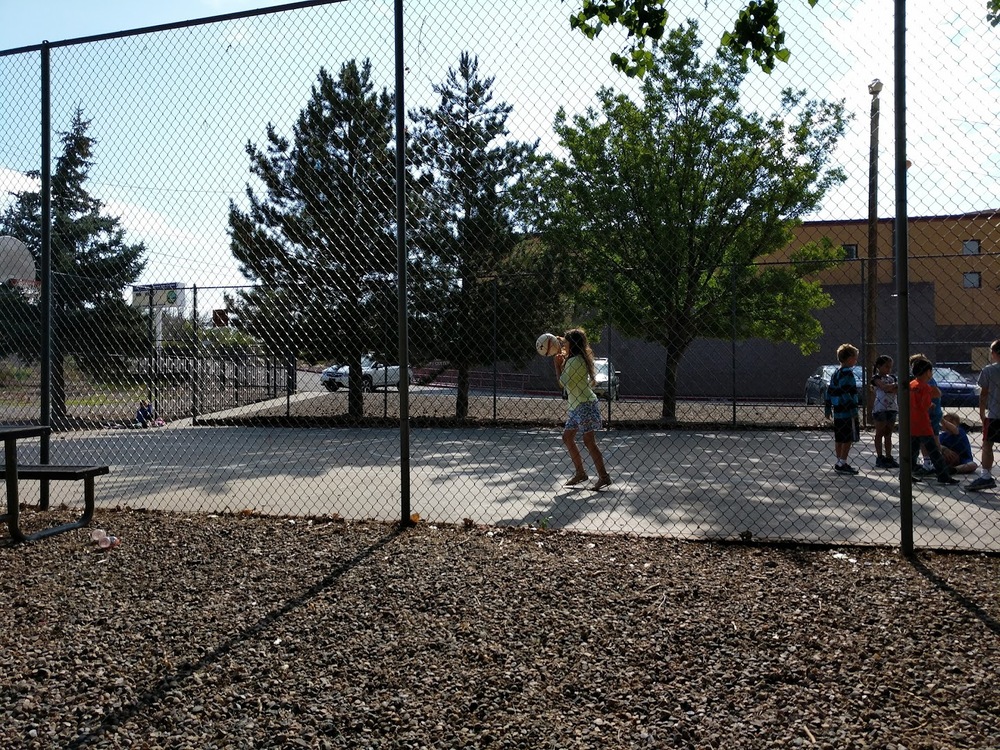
x,y
577,479
601,483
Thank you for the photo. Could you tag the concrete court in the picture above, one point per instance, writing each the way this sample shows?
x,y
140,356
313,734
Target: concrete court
x,y
682,484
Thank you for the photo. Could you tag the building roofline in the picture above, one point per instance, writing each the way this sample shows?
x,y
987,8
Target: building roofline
x,y
989,213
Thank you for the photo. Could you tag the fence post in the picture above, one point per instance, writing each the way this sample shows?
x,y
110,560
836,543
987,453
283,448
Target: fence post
x,y
195,354
46,269
493,354
732,343
401,259
902,281
608,296
150,357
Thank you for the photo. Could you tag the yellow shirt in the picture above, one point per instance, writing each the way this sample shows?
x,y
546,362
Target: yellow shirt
x,y
576,380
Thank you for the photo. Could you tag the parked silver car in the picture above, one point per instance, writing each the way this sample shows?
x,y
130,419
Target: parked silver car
x,y
607,380
373,375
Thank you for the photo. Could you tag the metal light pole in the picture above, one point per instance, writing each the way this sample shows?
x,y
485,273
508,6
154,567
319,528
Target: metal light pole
x,y
871,284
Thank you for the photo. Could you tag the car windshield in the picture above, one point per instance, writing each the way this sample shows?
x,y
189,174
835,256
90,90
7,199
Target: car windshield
x,y
601,367
828,371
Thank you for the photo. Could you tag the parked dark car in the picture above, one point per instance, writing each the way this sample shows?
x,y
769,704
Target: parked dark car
x,y
956,388
819,381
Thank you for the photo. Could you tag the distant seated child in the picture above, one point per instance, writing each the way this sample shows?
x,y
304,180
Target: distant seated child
x,y
955,445
145,416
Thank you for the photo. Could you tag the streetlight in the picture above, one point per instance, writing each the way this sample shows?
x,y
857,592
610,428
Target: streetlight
x,y
874,88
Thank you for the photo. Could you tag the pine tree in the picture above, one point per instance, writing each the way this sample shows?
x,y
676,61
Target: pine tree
x,y
321,238
91,263
468,260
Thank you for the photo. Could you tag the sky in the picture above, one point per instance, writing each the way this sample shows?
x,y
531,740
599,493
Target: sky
x,y
193,99
29,23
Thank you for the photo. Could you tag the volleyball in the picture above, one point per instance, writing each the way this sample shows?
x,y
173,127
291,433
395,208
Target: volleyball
x,y
548,345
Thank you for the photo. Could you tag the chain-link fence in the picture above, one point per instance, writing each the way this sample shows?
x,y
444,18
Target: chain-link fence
x,y
214,232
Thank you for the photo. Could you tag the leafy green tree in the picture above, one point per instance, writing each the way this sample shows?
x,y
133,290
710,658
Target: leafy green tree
x,y
321,238
666,206
92,264
468,259
756,32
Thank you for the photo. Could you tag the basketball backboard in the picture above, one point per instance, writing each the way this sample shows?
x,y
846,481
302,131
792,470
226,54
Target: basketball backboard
x,y
15,260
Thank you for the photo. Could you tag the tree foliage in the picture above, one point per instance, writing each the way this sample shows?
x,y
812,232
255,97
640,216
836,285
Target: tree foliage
x,y
92,264
666,207
466,257
756,32
319,243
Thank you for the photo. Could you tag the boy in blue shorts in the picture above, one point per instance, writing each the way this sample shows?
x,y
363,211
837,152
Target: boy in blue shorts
x,y
955,446
842,404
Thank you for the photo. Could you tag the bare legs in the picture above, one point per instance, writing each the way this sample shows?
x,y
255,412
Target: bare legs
x,y
580,474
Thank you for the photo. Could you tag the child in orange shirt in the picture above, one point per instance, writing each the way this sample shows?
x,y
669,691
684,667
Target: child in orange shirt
x,y
921,431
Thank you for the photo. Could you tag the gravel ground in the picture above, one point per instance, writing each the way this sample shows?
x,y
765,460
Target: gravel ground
x,y
248,632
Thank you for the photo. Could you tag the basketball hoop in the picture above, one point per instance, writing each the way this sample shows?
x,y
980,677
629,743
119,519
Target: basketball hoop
x,y
30,289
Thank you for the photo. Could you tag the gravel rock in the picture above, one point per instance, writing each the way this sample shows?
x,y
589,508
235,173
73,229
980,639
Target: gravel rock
x,y
248,632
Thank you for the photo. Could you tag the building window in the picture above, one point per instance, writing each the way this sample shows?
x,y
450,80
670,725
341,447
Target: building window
x,y
970,247
850,252
972,280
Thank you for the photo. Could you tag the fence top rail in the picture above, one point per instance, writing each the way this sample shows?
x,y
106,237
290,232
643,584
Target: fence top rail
x,y
169,26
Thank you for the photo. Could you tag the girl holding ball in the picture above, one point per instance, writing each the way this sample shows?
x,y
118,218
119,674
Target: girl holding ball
x,y
575,371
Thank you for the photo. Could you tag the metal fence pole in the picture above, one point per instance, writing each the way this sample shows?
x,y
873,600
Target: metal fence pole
x,y
493,354
46,269
195,351
404,356
902,300
732,344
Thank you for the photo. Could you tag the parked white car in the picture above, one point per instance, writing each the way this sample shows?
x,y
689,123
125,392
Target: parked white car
x,y
373,375
607,380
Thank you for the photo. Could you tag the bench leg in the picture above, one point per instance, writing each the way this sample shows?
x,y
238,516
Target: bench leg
x,y
13,500
84,520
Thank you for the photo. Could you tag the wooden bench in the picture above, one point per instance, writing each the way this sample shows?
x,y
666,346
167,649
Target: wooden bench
x,y
47,472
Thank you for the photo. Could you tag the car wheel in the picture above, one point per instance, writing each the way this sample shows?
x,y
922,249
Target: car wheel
x,y
367,386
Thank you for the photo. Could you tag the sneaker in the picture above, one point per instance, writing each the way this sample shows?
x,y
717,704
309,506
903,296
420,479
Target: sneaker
x,y
947,480
923,471
981,483
891,463
845,469
880,463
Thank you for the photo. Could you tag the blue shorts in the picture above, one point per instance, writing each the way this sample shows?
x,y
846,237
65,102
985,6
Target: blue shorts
x,y
586,417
